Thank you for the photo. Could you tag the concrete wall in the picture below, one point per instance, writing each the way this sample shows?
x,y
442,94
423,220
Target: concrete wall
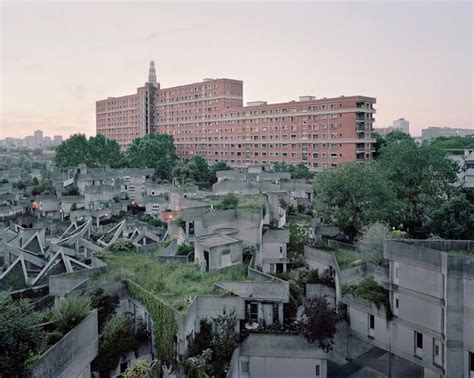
x,y
278,367
71,356
217,260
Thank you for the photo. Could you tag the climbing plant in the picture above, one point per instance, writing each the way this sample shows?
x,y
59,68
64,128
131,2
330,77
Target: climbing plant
x,y
164,322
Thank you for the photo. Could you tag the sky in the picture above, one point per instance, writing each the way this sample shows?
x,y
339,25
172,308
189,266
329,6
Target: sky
x,y
58,58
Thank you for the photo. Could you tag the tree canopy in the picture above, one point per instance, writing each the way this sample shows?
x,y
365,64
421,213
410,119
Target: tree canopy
x,y
454,142
94,152
421,175
354,195
299,171
153,151
409,186
319,322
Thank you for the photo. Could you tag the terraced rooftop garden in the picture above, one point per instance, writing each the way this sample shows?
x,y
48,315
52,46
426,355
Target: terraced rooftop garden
x,y
175,283
345,258
253,203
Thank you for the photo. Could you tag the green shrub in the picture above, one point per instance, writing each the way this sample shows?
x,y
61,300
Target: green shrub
x,y
230,201
53,337
184,249
117,338
105,303
71,311
180,223
122,245
371,291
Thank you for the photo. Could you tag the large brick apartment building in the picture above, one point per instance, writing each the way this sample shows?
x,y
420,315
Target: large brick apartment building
x,y
209,119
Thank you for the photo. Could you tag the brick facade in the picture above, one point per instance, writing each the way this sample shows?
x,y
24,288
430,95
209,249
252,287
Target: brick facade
x,y
208,119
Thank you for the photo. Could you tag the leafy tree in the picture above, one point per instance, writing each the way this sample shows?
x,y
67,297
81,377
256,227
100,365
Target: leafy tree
x,y
454,142
95,152
105,303
299,171
194,170
153,151
392,137
421,175
219,166
454,219
354,195
371,243
298,238
71,152
19,339
103,151
319,322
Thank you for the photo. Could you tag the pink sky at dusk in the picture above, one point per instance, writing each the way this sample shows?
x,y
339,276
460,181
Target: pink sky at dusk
x,y
58,58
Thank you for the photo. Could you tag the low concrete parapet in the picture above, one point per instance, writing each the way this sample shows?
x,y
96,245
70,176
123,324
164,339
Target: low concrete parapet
x,y
71,356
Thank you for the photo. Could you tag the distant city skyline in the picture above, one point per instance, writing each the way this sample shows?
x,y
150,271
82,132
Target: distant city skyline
x,y
415,58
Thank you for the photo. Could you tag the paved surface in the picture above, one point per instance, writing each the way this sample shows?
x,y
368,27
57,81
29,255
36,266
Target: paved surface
x,y
355,358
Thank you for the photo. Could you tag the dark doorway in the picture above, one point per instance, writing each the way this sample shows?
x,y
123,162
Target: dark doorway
x,y
206,257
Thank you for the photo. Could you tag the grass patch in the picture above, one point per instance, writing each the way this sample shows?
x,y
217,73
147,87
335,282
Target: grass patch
x,y
299,218
346,258
460,252
254,203
175,283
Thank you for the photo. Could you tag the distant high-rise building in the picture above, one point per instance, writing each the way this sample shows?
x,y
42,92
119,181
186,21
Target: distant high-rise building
x,y
435,132
402,125
209,119
57,139
38,137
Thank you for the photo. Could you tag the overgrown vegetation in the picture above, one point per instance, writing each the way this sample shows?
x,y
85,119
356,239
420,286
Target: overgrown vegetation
x,y
105,303
122,245
20,340
184,249
70,312
173,282
409,187
253,203
164,323
371,291
345,258
212,348
118,337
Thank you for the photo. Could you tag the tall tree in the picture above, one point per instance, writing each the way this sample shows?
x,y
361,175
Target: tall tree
x,y
454,219
103,151
195,170
421,175
94,152
454,142
219,166
299,171
319,322
153,151
354,195
71,152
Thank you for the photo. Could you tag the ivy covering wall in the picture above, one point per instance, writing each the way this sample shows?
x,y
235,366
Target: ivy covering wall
x,y
164,322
